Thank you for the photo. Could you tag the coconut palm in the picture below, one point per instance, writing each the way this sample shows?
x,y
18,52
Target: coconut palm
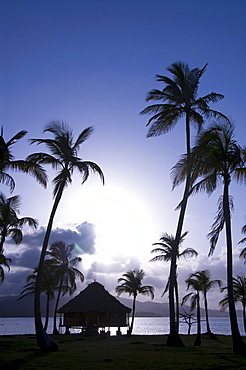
x,y
239,291
63,266
179,99
217,158
48,286
8,162
205,282
194,297
63,158
10,224
3,262
132,284
166,252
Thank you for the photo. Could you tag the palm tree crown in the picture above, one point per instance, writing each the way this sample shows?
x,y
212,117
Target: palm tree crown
x,y
167,251
64,154
239,291
180,98
8,162
10,223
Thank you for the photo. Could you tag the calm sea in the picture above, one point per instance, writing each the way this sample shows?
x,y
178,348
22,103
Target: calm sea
x,y
142,326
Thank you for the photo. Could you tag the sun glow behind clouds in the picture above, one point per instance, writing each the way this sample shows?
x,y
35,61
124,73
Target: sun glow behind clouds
x,y
123,223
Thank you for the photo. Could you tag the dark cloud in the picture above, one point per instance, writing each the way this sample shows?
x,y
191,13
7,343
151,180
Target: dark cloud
x,y
14,281
84,237
28,259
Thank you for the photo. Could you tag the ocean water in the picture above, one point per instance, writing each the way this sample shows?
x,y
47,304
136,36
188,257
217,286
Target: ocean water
x,y
142,326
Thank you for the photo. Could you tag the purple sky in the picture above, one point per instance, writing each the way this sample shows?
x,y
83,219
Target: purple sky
x,y
91,63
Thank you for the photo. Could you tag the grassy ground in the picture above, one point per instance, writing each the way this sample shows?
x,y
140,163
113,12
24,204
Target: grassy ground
x,y
136,352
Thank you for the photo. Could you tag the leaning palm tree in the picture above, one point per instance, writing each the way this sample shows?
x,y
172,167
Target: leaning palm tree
x,y
217,158
63,158
48,286
167,252
194,297
8,162
63,265
3,262
205,282
179,99
239,291
132,284
10,224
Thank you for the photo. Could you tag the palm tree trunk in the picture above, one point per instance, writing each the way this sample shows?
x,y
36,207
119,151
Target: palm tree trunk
x,y
210,334
47,312
55,331
177,304
173,337
133,314
2,240
239,347
198,335
43,339
244,317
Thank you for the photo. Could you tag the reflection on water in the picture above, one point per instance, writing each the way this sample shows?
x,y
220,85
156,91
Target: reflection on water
x,y
142,326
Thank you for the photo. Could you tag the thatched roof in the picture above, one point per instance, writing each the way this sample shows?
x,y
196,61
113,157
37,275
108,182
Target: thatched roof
x,y
94,298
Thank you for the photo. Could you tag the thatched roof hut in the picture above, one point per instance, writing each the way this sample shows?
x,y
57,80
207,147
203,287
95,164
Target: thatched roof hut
x,y
94,308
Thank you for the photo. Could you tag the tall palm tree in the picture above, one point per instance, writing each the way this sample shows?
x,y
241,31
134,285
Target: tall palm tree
x,y
179,99
167,252
8,162
217,158
132,284
239,291
48,286
10,224
194,297
62,264
205,282
63,158
4,262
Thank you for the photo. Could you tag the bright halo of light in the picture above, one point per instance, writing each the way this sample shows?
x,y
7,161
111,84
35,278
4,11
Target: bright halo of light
x,y
123,224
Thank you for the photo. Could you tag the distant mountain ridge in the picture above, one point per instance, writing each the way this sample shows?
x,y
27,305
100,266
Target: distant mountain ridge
x,y
11,307
162,309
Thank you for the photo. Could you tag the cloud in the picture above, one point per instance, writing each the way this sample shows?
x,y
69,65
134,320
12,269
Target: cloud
x,y
83,236
26,257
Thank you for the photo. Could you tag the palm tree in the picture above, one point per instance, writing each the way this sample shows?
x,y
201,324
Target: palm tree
x,y
194,297
5,262
239,291
10,224
132,284
205,282
166,252
62,264
179,99
8,162
217,158
48,286
63,158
